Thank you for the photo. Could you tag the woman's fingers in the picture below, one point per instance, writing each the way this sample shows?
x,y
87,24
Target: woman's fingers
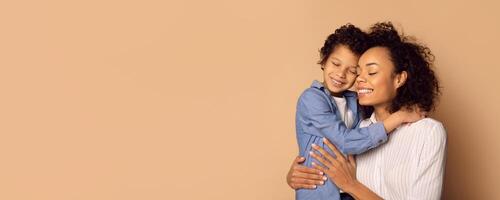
x,y
352,160
303,186
319,167
310,176
307,170
323,153
299,160
337,153
305,181
328,156
321,160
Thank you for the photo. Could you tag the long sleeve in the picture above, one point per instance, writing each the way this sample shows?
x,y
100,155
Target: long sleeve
x,y
316,117
428,178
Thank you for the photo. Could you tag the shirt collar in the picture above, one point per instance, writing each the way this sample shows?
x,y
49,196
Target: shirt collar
x,y
317,84
373,119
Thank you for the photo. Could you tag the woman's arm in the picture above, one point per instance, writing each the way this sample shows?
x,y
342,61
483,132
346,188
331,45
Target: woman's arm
x,y
342,172
302,177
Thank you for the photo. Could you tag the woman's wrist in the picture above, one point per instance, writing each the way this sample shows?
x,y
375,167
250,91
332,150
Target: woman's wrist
x,y
353,187
360,191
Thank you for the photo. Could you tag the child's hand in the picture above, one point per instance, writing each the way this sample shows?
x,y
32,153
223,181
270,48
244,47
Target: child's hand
x,y
411,114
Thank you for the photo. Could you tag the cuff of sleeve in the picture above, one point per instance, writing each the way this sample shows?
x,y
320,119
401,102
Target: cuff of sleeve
x,y
378,135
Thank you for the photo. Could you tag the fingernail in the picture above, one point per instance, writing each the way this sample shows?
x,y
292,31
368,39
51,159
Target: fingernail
x,y
321,173
324,178
313,163
314,145
314,186
322,182
324,139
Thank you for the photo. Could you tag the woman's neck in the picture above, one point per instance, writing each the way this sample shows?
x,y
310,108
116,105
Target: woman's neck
x,y
381,112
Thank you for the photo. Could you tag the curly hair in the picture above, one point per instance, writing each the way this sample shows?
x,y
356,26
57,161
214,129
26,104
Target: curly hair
x,y
348,35
422,86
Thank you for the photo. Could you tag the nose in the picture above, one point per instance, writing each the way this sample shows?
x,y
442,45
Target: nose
x,y
360,79
342,73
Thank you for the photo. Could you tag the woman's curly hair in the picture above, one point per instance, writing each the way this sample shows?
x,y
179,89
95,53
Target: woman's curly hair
x,y
348,35
421,87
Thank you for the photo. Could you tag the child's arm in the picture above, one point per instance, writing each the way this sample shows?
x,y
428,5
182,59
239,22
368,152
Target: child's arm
x,y
402,116
316,118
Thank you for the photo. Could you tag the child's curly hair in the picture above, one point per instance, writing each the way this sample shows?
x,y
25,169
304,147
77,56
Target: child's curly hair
x,y
349,35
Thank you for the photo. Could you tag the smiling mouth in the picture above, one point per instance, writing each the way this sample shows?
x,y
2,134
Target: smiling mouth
x,y
364,91
337,83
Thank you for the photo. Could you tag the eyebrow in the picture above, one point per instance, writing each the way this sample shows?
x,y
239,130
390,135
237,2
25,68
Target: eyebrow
x,y
371,64
334,58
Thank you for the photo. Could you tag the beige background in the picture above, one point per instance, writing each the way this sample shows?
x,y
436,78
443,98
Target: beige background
x,y
196,99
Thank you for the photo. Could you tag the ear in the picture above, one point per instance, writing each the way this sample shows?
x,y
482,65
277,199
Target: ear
x,y
400,79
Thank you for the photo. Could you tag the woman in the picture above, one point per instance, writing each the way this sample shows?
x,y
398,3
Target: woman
x,y
393,73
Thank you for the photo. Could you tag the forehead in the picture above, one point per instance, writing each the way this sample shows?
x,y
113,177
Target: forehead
x,y
344,54
379,55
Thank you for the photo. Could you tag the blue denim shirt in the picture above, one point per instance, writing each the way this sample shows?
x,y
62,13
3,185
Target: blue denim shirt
x,y
317,117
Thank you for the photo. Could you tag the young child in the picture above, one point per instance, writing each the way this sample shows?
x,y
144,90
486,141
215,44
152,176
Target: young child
x,y
329,110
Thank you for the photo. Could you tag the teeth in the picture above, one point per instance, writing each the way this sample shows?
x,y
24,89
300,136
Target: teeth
x,y
365,91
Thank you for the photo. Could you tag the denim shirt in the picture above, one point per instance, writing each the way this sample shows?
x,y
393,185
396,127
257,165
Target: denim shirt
x,y
317,117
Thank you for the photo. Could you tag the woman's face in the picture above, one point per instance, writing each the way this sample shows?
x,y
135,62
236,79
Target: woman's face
x,y
377,83
339,71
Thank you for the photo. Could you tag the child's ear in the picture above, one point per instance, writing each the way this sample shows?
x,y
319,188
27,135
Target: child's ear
x,y
401,79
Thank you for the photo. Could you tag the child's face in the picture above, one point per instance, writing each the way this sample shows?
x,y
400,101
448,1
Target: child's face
x,y
339,71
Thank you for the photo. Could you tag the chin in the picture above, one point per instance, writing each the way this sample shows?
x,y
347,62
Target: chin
x,y
336,90
365,102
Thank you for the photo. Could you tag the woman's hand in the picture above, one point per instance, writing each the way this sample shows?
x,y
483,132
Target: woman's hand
x,y
302,177
341,171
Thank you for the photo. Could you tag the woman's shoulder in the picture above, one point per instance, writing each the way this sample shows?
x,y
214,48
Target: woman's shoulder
x,y
431,127
429,123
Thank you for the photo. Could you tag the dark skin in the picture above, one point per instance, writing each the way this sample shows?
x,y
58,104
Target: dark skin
x,y
302,177
340,169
